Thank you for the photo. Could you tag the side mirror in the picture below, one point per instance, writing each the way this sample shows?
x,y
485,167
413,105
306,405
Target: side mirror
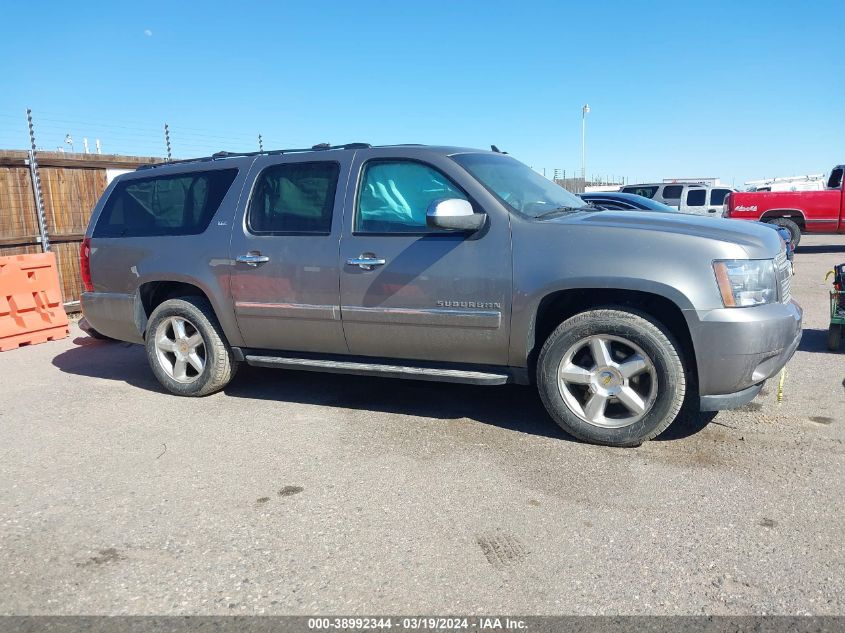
x,y
454,214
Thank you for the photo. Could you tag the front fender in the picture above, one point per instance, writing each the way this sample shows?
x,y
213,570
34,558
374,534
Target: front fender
x,y
666,260
522,346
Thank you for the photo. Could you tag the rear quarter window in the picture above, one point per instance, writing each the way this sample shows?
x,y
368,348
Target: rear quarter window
x,y
180,204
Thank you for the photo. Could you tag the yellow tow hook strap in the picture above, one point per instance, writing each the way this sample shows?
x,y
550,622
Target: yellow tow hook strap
x,y
780,385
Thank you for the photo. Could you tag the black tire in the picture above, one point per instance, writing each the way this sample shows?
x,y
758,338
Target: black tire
x,y
219,364
834,337
653,339
789,225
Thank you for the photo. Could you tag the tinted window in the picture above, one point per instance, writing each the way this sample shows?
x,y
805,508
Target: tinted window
x,y
835,180
717,196
395,195
696,197
645,192
672,192
167,205
294,198
611,205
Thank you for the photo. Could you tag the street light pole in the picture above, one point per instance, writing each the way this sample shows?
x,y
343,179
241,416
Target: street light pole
x,y
584,111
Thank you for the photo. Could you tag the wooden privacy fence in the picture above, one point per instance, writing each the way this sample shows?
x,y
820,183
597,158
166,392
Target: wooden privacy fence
x,y
71,184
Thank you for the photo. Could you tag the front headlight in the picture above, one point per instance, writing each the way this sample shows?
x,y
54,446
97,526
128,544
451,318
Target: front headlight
x,y
746,282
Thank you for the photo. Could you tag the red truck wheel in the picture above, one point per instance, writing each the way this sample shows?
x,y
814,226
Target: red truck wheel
x,y
790,226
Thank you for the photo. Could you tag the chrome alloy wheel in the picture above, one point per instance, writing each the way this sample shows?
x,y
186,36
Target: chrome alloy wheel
x,y
607,381
180,349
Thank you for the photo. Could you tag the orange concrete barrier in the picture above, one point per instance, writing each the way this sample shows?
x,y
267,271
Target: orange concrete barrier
x,y
31,309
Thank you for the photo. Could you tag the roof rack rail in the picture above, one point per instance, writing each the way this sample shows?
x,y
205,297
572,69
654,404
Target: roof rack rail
x,y
273,152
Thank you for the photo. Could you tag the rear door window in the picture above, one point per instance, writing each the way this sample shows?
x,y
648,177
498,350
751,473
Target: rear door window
x,y
294,198
696,197
181,204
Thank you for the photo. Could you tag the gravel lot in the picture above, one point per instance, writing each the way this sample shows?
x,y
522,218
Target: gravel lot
x,y
295,493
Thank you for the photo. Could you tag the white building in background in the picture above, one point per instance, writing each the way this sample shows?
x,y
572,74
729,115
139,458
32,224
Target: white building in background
x,y
601,188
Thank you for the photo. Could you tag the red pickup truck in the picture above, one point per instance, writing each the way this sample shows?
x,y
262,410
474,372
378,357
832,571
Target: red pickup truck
x,y
799,211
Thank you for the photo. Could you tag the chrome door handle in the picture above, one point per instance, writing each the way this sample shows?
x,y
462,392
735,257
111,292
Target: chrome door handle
x,y
252,259
366,263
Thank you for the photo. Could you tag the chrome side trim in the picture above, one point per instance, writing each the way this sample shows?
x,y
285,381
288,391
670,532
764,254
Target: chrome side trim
x,y
287,311
811,220
437,317
440,374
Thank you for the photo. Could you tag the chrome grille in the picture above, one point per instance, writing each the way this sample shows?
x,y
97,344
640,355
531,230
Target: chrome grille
x,y
784,274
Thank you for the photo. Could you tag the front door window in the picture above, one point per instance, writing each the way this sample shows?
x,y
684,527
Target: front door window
x,y
395,196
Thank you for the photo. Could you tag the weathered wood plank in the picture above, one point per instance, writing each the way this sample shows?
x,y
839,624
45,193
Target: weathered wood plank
x,y
20,158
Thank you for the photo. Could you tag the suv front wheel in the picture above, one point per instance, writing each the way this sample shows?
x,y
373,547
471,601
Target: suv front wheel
x,y
612,376
186,348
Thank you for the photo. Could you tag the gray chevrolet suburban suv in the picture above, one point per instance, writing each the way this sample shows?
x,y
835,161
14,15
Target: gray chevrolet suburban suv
x,y
437,263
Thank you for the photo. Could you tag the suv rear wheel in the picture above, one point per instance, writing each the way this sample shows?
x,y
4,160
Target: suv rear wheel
x,y
612,376
186,348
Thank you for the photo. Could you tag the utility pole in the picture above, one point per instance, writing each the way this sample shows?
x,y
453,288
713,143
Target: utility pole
x,y
167,142
584,112
260,144
35,176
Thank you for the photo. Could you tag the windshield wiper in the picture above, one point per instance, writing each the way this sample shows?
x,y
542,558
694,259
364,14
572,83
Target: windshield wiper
x,y
551,212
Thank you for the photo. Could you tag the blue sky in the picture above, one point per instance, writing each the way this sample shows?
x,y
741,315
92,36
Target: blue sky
x,y
737,90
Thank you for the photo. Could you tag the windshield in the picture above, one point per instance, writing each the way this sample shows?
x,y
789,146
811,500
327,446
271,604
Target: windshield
x,y
518,186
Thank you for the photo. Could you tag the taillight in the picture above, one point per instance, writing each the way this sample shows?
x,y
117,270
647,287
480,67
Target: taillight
x,y
85,264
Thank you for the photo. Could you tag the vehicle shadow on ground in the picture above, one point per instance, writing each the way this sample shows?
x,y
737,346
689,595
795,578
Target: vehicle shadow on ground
x,y
109,360
815,341
820,248
512,407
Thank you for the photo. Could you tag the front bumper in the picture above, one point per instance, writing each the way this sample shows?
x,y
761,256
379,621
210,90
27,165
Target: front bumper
x,y
729,400
738,349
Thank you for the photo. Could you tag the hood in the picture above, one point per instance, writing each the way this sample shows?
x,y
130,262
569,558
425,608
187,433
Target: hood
x,y
756,239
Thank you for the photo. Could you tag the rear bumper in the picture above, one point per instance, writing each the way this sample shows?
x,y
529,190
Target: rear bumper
x,y
113,314
738,349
